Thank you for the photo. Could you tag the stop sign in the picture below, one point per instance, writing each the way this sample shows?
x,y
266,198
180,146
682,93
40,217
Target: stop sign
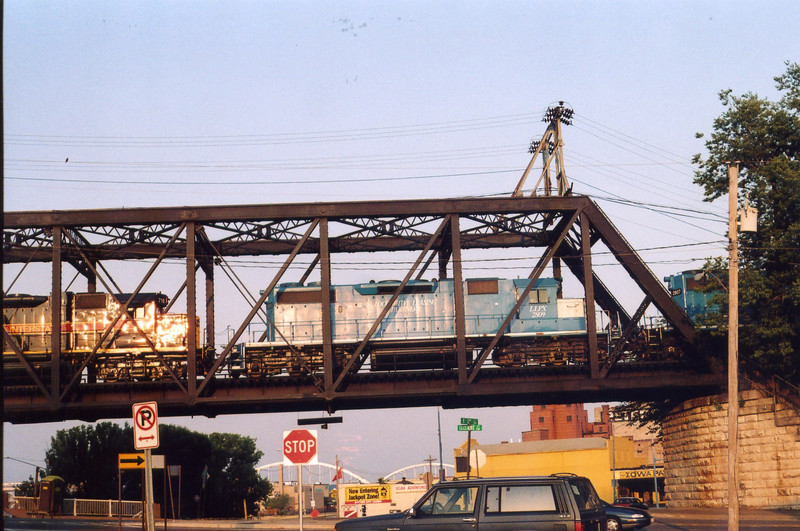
x,y
300,447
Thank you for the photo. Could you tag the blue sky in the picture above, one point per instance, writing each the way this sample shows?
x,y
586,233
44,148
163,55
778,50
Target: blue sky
x,y
133,104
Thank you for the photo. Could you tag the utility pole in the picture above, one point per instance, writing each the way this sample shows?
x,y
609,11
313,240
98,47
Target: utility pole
x,y
551,146
733,350
430,460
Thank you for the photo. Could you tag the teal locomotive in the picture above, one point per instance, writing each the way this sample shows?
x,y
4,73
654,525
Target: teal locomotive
x,y
419,330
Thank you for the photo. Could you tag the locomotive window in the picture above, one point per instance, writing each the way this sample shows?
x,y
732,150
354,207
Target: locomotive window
x,y
537,296
482,287
88,301
305,296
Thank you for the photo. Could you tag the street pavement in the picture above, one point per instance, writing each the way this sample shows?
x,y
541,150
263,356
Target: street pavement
x,y
713,519
716,519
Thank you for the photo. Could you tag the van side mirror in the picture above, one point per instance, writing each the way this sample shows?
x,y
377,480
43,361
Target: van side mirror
x,y
412,513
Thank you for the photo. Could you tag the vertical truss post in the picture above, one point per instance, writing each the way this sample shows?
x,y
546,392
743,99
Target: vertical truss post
x,y
588,286
191,311
561,229
355,360
325,286
91,277
458,299
208,269
256,307
55,320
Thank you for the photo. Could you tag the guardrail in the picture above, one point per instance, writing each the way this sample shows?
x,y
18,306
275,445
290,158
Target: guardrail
x,y
84,507
28,504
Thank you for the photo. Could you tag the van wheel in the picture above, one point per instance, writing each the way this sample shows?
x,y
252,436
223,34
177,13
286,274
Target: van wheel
x,y
612,524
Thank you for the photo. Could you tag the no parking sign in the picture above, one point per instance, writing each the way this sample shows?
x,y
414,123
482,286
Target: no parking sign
x,y
145,425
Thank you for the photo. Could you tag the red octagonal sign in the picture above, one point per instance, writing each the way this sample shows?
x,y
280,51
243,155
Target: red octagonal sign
x,y
300,447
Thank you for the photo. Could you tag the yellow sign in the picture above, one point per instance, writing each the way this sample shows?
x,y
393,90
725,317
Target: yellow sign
x,y
368,494
639,473
136,461
131,461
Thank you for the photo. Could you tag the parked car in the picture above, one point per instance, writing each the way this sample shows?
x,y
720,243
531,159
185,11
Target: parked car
x,y
558,501
631,502
618,517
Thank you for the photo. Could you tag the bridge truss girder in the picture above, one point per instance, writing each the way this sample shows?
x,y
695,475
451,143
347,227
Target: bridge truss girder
x,y
564,228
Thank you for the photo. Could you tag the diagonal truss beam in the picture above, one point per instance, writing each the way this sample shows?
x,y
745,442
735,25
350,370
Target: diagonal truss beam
x,y
639,272
227,350
25,363
135,324
357,358
627,333
123,311
562,229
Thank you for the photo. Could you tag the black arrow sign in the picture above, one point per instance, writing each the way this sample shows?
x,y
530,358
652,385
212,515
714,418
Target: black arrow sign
x,y
138,461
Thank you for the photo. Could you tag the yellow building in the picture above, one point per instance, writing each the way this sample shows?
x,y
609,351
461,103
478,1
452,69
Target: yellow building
x,y
601,460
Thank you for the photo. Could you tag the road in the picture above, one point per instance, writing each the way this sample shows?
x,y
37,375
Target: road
x,y
665,520
716,519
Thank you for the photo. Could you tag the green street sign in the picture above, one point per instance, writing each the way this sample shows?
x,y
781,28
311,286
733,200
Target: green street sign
x,y
470,427
471,422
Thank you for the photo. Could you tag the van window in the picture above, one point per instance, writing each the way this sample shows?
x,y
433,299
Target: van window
x,y
452,500
520,498
585,495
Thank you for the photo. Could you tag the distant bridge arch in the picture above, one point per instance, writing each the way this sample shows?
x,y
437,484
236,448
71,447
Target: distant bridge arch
x,y
320,473
417,470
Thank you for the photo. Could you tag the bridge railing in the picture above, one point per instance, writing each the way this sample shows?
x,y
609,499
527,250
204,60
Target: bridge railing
x,y
28,504
778,388
84,507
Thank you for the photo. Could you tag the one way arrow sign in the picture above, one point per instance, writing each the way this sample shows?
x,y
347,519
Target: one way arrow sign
x,y
132,461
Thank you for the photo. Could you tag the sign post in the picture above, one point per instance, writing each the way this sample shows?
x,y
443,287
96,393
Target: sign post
x,y
469,425
300,448
145,437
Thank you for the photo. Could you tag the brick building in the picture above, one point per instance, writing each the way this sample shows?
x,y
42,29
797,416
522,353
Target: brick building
x,y
567,421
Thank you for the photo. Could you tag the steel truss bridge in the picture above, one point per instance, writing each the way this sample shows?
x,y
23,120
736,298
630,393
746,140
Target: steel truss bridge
x,y
558,231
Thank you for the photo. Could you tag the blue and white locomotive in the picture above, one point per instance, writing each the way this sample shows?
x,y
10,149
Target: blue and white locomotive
x,y
693,291
419,330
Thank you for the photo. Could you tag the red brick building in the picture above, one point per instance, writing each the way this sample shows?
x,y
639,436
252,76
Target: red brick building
x,y
567,421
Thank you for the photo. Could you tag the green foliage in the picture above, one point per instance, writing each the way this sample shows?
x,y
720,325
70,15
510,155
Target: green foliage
x,y
26,488
282,503
191,451
765,137
233,477
648,415
87,458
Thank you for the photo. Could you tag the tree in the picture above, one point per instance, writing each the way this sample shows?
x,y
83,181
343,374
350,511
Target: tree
x,y
765,137
87,458
282,503
232,476
26,488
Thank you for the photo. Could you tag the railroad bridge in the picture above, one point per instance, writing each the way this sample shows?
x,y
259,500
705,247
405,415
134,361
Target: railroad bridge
x,y
556,233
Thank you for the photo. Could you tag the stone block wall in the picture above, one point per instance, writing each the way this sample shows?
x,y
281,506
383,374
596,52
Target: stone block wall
x,y
695,439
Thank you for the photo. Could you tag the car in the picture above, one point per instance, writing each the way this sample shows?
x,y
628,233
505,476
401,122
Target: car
x,y
618,517
558,501
631,502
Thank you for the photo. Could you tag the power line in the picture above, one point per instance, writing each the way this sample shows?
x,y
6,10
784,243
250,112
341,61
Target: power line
x,y
273,138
